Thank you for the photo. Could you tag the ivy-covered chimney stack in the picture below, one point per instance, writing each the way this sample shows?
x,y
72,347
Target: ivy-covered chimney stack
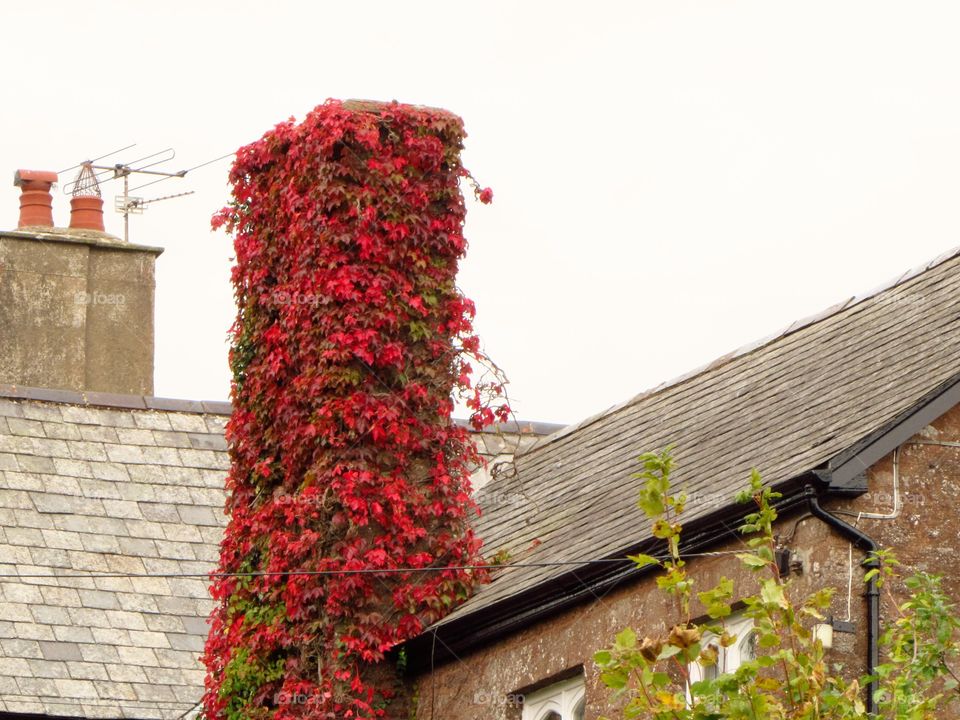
x,y
349,488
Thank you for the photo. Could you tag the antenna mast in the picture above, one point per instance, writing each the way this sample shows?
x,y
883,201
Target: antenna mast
x,y
128,205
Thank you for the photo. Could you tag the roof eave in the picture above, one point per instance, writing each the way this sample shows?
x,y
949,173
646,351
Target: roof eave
x,y
843,474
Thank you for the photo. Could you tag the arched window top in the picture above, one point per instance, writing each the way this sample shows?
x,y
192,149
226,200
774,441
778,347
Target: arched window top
x,y
561,701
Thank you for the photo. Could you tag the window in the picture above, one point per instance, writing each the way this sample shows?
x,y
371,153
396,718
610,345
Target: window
x,y
560,701
728,659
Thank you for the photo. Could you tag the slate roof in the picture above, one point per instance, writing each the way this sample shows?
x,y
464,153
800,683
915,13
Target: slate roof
x,y
104,501
784,405
89,491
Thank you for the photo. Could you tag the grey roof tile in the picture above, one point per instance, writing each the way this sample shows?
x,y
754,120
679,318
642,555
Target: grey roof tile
x,y
205,441
159,512
113,584
62,540
126,509
132,655
73,633
127,673
61,484
95,562
15,612
46,412
29,428
152,420
99,489
8,408
138,547
99,653
98,433
47,669
16,592
90,451
149,639
37,686
60,651
24,536
92,618
35,463
154,693
201,459
33,631
194,515
161,455
123,620
137,602
15,499
48,614
189,423
135,436
110,471
73,468
61,597
127,454
67,504
171,439
15,647
183,641
76,689
118,638
20,480
61,431
157,587
159,622
99,599
86,671
137,492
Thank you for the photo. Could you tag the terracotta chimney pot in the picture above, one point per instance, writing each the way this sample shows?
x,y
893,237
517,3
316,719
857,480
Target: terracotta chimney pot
x,y
36,203
86,213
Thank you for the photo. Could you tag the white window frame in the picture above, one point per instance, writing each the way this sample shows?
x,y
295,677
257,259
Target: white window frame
x,y
729,658
563,698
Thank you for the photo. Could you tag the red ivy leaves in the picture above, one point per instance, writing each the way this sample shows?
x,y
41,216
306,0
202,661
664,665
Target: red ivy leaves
x,y
349,343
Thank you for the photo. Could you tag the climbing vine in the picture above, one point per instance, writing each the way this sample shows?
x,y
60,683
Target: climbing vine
x,y
351,344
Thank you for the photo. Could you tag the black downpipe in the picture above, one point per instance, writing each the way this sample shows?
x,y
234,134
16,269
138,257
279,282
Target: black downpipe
x,y
869,545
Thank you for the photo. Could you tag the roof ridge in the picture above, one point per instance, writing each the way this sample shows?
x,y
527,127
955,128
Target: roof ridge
x,y
750,347
91,398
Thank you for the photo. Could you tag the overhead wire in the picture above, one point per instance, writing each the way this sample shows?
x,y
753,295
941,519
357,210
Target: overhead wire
x,y
96,574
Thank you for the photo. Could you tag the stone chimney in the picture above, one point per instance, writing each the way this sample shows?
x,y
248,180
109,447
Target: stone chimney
x,y
76,304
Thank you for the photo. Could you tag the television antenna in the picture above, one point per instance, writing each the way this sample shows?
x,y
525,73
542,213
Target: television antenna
x,y
92,174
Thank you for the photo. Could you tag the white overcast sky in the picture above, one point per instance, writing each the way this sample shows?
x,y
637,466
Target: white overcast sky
x,y
672,179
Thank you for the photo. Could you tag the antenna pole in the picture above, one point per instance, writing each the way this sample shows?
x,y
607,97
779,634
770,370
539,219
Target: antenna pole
x,y
126,213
